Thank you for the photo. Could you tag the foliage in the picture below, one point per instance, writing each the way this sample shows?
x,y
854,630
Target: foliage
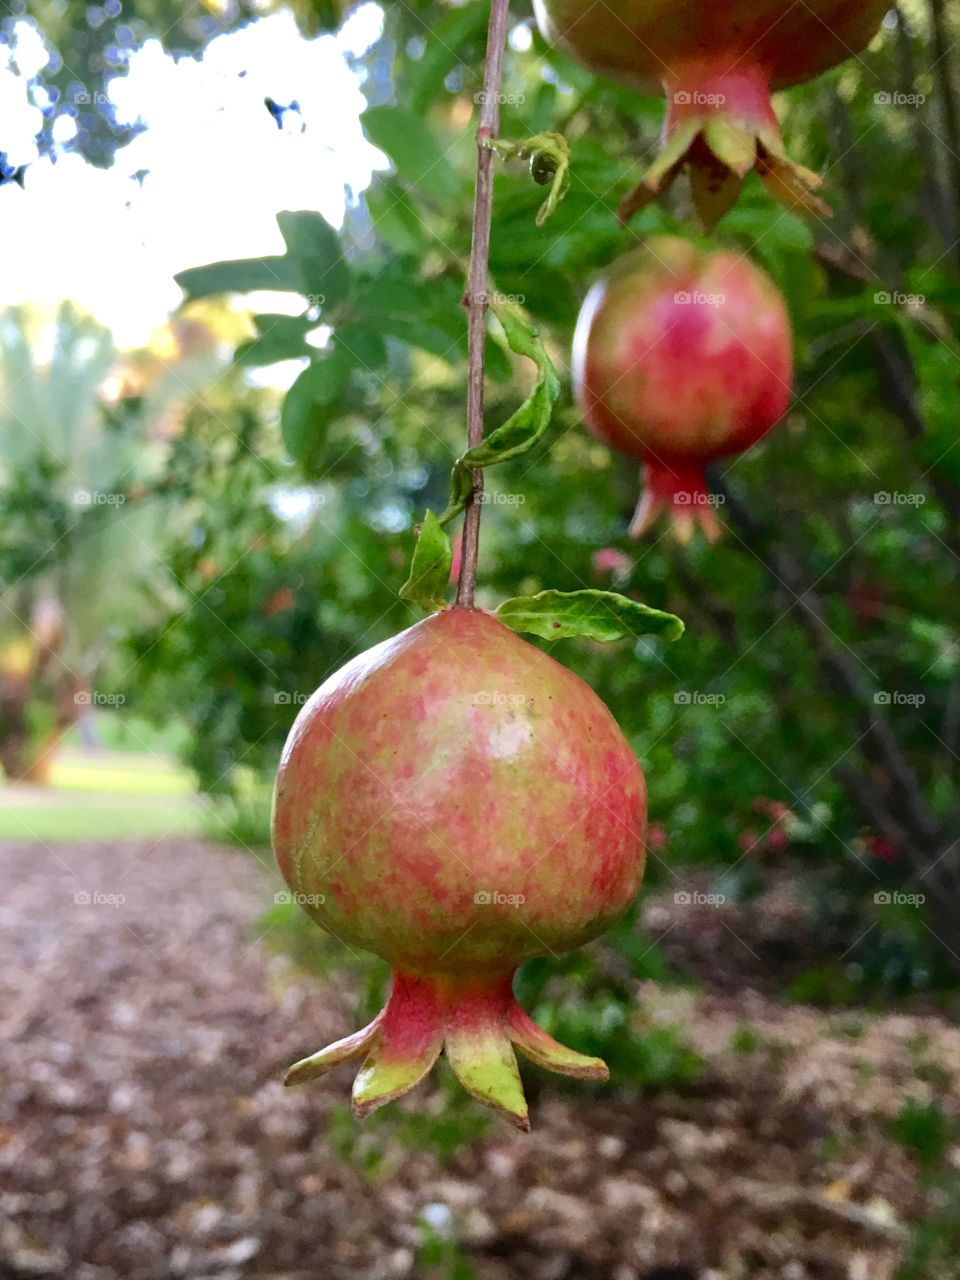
x,y
820,668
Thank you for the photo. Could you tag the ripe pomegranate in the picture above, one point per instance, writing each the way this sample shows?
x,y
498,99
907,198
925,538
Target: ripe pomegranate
x,y
682,357
717,64
457,802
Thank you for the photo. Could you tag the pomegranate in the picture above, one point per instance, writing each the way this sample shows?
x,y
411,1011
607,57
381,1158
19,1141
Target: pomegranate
x,y
717,65
457,802
682,357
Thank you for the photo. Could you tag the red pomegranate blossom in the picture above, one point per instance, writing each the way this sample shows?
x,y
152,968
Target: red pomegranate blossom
x,y
682,357
457,802
717,64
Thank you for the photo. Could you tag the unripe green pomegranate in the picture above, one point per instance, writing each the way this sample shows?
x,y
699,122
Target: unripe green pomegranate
x,y
681,357
457,802
716,63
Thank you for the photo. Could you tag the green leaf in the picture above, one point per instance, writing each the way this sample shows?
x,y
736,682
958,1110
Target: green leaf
x,y
279,337
314,248
523,428
422,313
448,46
598,615
241,275
430,570
310,405
416,154
362,344
394,215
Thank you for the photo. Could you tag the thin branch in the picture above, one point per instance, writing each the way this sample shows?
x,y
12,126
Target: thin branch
x,y
947,93
475,298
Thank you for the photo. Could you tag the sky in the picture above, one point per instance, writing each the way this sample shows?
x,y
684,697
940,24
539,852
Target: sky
x,y
219,169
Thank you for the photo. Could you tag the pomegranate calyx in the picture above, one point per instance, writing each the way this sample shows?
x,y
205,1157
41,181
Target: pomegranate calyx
x,y
719,133
680,492
475,1021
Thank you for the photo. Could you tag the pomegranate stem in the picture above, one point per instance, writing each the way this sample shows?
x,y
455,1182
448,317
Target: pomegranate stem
x,y
477,286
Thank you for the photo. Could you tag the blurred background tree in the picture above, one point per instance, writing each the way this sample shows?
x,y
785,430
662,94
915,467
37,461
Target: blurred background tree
x,y
89,510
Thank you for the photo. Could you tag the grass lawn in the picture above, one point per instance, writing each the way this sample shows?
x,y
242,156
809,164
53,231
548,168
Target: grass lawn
x,y
97,795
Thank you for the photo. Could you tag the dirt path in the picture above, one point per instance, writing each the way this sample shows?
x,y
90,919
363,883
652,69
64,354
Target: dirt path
x,y
144,1134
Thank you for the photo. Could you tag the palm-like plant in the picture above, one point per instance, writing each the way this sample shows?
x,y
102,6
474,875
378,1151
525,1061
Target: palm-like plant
x,y
84,436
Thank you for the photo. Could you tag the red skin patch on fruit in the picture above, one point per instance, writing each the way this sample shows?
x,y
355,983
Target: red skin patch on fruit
x,y
644,42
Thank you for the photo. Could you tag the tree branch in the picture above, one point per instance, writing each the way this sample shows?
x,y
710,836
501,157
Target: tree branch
x,y
475,298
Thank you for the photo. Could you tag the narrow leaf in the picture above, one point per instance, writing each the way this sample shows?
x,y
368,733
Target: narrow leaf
x,y
523,428
241,275
430,570
598,615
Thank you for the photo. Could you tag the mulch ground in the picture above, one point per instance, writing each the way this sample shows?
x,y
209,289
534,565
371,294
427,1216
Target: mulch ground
x,y
145,1134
